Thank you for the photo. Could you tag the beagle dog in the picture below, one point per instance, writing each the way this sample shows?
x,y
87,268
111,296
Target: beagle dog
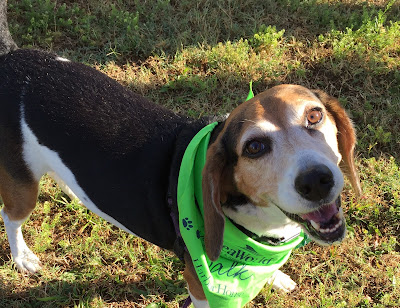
x,y
272,166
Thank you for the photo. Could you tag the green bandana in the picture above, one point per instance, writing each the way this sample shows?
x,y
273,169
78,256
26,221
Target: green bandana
x,y
244,265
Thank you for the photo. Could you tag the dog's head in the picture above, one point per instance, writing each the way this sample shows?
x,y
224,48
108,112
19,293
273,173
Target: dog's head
x,y
282,148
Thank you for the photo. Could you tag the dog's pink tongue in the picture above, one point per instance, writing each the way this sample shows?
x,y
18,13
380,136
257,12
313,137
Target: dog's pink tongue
x,y
323,214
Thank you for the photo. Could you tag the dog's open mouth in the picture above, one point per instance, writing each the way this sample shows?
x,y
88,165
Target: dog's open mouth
x,y
326,224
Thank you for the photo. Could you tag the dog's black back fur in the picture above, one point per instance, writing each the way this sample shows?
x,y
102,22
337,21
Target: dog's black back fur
x,y
102,132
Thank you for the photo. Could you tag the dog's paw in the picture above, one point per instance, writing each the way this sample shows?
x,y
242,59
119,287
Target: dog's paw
x,y
27,262
282,282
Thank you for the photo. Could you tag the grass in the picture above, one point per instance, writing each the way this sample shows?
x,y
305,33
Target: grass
x,y
198,58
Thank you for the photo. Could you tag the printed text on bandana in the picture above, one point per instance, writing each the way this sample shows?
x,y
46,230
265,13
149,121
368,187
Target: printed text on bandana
x,y
244,256
234,270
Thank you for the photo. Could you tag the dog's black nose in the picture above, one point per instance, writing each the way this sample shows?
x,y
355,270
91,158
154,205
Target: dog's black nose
x,y
315,183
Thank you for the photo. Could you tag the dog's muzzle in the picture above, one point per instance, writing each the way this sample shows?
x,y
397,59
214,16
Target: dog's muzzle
x,y
326,224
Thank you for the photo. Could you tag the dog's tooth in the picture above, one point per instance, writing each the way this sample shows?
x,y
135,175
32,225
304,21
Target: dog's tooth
x,y
333,229
338,225
338,215
315,225
324,230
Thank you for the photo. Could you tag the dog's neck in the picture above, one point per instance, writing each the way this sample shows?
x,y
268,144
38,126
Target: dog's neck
x,y
265,222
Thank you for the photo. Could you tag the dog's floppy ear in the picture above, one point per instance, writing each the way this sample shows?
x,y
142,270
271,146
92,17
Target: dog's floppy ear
x,y
214,219
346,137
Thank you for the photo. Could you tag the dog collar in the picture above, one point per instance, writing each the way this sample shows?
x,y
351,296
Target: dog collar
x,y
244,265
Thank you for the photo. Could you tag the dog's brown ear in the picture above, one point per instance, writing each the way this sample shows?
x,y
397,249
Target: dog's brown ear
x,y
346,137
214,219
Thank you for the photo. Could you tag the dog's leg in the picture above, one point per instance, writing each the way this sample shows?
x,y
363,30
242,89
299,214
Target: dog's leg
x,y
282,282
197,303
24,259
19,201
64,187
195,289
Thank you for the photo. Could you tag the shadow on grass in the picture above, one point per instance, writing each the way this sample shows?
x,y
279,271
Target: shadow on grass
x,y
124,31
96,293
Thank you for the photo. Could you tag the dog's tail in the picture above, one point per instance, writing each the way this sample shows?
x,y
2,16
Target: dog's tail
x,y
7,44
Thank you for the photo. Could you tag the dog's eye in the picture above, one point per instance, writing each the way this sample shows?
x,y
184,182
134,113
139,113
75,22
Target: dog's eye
x,y
314,117
255,148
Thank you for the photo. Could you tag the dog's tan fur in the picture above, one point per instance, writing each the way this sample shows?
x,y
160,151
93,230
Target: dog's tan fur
x,y
19,198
